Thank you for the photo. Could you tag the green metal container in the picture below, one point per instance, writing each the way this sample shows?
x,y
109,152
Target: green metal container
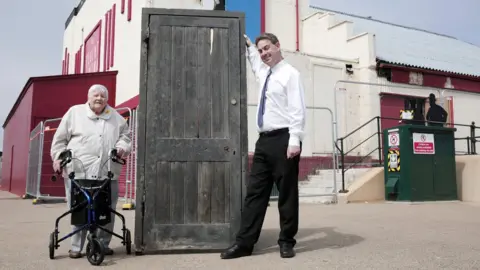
x,y
419,163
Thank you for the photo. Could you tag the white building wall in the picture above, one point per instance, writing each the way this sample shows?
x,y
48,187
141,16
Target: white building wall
x,y
351,103
127,37
319,75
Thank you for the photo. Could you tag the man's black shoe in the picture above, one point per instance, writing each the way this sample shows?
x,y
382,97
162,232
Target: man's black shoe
x,y
286,251
236,251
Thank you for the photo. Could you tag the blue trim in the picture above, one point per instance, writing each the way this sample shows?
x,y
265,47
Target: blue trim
x,y
252,14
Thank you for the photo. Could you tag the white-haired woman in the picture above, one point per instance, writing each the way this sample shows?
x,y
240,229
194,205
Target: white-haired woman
x,y
91,130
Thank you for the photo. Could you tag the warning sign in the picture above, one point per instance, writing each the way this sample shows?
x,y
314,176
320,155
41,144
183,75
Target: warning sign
x,y
406,114
423,144
393,140
393,160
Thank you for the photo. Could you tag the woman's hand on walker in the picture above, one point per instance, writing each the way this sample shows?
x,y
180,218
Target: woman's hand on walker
x,y
56,166
120,153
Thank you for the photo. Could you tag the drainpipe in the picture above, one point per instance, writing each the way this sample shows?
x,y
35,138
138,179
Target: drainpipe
x,y
297,24
262,16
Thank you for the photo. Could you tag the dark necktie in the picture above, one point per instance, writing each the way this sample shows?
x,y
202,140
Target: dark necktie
x,y
261,110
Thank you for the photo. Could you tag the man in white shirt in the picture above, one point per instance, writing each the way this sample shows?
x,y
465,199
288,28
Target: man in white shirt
x,y
281,124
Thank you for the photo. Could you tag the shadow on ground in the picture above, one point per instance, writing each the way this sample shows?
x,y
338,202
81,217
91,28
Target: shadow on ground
x,y
308,239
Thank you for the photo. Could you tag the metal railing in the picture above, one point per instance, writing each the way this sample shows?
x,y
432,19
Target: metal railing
x,y
334,193
38,184
34,162
378,84
470,140
130,166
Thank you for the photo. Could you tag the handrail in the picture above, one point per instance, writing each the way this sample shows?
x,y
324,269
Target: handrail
x,y
471,142
369,137
360,127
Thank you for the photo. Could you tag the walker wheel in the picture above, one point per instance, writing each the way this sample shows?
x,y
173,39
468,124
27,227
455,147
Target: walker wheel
x,y
95,252
128,241
51,246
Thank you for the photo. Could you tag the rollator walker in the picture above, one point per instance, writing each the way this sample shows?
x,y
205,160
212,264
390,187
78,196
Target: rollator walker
x,y
90,206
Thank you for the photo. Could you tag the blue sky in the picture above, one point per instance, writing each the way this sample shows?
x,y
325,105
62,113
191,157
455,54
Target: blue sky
x,y
32,32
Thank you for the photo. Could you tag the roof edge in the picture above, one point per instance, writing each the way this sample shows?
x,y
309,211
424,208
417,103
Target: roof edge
x,y
31,80
380,21
386,63
74,13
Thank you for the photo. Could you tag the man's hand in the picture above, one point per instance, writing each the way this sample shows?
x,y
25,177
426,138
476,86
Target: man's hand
x,y
56,166
293,151
247,40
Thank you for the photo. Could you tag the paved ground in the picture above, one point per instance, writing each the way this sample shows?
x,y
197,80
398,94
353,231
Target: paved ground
x,y
354,236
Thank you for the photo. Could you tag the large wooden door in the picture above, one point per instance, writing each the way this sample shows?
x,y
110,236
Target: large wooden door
x,y
192,130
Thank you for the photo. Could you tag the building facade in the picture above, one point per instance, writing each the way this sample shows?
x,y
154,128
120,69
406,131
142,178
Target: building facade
x,y
391,62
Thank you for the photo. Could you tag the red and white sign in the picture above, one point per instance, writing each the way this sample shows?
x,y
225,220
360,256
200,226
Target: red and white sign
x,y
393,139
423,144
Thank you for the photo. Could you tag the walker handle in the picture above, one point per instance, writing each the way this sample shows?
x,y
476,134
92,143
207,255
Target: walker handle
x,y
65,157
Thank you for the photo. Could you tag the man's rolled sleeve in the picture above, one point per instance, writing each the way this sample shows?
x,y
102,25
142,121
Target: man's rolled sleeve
x,y
296,109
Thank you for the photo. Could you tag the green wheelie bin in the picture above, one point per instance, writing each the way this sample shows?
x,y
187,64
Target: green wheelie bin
x,y
419,163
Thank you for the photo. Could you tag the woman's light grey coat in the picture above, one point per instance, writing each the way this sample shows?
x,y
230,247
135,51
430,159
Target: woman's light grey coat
x,y
91,137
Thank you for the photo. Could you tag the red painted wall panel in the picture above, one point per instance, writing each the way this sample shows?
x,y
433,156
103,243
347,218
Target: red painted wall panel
x,y
262,16
129,11
112,35
106,41
436,79
73,88
467,85
16,138
47,107
92,45
390,106
40,102
432,80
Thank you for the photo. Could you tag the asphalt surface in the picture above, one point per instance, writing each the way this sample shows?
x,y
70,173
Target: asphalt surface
x,y
354,236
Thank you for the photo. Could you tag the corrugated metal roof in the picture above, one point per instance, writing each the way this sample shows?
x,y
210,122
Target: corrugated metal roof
x,y
415,47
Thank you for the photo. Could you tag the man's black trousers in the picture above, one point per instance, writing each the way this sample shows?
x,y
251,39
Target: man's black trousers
x,y
270,165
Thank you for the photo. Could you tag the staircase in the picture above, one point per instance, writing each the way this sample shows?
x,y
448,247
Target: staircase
x,y
322,183
319,186
316,176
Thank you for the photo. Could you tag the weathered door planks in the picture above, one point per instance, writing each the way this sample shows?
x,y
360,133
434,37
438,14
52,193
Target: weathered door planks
x,y
192,130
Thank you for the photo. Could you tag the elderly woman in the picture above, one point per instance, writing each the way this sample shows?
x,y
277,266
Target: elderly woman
x,y
91,130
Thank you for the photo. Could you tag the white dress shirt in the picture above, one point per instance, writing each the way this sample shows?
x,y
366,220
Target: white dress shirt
x,y
285,103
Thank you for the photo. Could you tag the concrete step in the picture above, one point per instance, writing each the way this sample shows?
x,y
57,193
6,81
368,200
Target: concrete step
x,y
323,183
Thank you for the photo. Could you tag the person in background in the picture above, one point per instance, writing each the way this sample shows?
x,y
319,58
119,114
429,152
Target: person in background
x,y
435,113
91,130
281,125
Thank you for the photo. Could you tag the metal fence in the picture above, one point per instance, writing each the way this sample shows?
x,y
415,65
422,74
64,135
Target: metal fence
x,y
321,164
40,165
130,166
34,162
